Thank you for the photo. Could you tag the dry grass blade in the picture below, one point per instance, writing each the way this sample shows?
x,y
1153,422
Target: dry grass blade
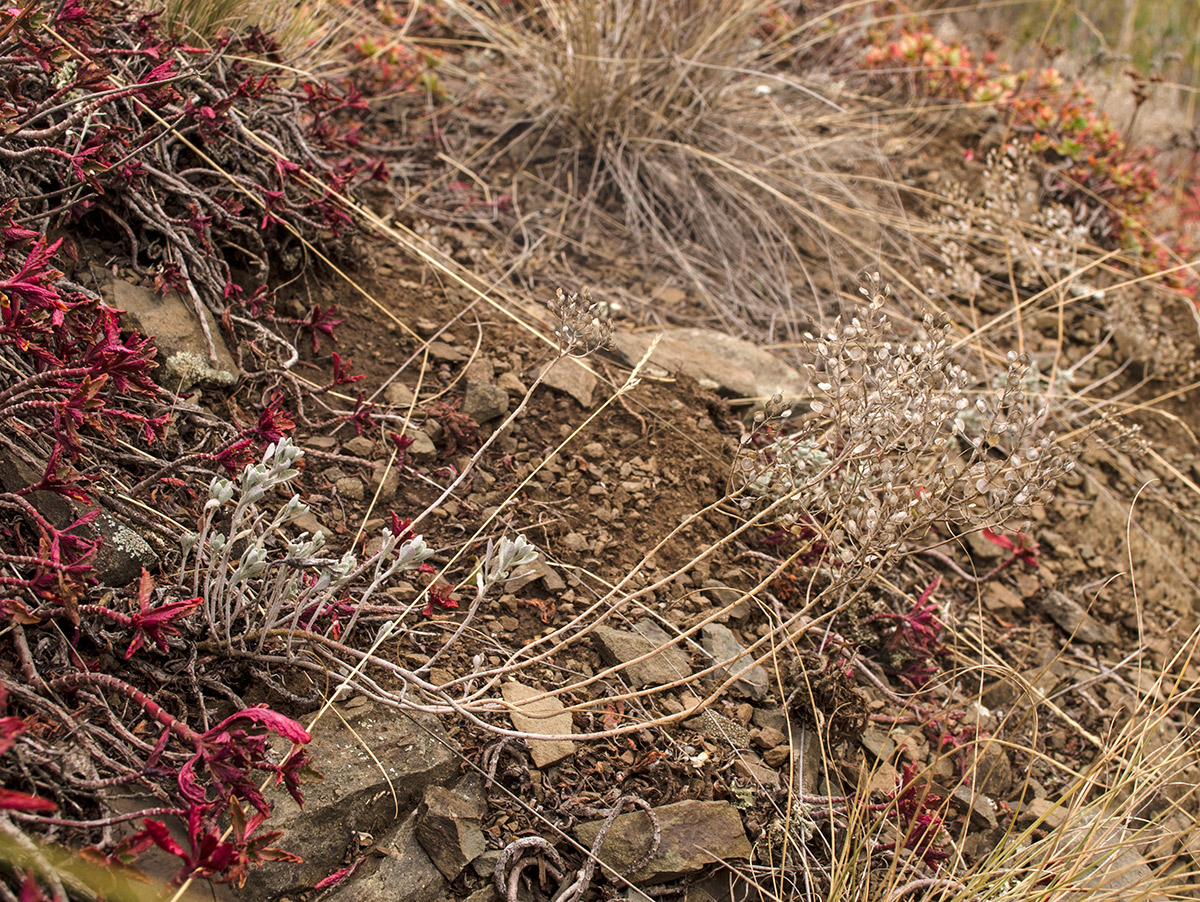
x,y
1120,830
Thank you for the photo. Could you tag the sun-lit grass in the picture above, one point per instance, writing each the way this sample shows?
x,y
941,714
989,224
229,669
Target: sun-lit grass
x,y
297,26
1117,829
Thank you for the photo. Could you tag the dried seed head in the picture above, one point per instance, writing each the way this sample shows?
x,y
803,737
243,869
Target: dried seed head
x,y
896,438
583,325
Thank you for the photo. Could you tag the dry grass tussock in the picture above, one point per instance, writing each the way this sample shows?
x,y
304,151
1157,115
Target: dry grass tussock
x,y
679,120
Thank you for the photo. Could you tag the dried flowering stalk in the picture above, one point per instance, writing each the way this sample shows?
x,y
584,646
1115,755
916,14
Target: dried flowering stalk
x,y
897,439
584,325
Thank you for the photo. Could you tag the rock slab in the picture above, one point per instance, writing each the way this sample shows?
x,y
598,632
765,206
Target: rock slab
x,y
355,797
448,826
534,571
1074,619
398,870
422,447
980,809
624,647
178,335
694,835
723,885
570,377
720,642
1050,813
990,770
736,368
122,553
484,402
545,715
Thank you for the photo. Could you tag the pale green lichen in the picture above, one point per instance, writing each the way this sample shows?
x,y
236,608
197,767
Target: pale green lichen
x,y
187,368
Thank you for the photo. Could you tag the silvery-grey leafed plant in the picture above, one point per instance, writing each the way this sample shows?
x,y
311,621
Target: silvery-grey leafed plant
x,y
500,562
771,463
255,582
898,437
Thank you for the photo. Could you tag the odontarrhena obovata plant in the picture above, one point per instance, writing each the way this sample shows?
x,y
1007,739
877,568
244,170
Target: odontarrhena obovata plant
x,y
897,436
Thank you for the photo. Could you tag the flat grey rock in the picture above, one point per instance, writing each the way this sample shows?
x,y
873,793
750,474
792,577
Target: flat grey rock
x,y
534,571
122,553
422,447
359,446
398,870
665,665
749,767
545,715
384,481
1075,620
178,335
511,384
355,797
721,594
1053,815
720,642
444,352
736,368
990,769
484,402
878,744
807,761
448,825
397,394
979,808
570,377
308,522
694,835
